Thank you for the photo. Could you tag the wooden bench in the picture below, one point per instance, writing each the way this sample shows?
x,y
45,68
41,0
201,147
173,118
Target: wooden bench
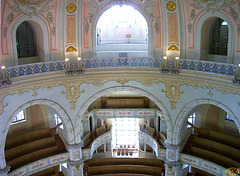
x,y
130,161
114,169
31,157
217,147
29,147
215,157
19,139
220,137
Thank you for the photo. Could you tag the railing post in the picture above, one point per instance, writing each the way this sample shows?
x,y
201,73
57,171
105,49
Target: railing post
x,y
75,161
4,171
173,165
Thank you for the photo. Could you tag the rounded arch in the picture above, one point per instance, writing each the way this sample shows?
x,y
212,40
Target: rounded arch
x,y
41,35
186,110
86,104
64,116
139,9
198,34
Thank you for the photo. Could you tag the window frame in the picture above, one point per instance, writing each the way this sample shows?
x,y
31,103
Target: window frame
x,y
17,121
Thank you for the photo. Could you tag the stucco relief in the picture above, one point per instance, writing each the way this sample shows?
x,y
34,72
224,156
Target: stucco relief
x,y
71,29
172,18
72,93
173,92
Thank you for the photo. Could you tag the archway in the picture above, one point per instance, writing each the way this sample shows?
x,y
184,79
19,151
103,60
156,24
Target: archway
x,y
203,27
94,97
188,108
65,118
129,34
42,38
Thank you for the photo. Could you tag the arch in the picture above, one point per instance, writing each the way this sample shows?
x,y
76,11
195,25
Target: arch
x,y
41,34
65,118
86,104
198,33
139,9
186,110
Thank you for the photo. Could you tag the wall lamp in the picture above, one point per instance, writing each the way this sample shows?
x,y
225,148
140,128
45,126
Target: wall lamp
x,y
5,80
73,67
237,76
170,67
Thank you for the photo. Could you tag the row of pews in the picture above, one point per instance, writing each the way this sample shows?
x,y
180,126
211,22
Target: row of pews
x,y
217,147
124,167
25,148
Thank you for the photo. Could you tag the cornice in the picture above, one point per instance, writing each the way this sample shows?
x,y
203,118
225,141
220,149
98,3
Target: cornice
x,y
98,78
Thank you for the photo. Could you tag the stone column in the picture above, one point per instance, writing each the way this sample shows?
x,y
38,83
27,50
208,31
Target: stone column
x,y
4,171
75,161
173,165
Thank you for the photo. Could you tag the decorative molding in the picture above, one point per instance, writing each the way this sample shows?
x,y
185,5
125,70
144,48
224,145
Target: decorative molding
x,y
210,93
171,6
212,6
30,8
72,93
149,8
173,47
71,49
71,8
173,93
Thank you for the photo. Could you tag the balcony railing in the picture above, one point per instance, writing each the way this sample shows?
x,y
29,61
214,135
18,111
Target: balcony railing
x,y
118,63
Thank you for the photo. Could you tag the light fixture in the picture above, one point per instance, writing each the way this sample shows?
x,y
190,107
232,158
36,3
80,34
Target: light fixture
x,y
5,80
224,23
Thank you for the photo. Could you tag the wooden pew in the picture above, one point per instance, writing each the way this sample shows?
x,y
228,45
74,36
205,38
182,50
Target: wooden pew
x,y
31,157
217,147
19,139
215,157
127,161
220,137
29,147
115,169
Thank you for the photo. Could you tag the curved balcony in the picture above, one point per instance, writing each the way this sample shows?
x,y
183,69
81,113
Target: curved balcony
x,y
193,161
127,63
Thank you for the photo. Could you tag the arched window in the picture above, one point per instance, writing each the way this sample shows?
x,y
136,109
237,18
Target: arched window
x,y
26,40
218,37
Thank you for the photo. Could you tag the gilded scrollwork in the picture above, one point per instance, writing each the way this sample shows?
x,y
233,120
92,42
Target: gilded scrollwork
x,y
72,93
173,92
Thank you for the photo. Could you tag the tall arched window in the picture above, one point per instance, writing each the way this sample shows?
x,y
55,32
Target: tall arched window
x,y
218,37
26,40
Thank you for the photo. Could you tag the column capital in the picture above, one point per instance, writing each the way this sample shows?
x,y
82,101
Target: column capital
x,y
76,146
5,170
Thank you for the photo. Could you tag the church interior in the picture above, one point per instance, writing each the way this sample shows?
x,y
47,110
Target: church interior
x,y
120,88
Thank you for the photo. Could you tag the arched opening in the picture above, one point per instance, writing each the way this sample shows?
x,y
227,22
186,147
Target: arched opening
x,y
122,31
26,41
124,129
218,37
214,39
212,135
35,133
30,41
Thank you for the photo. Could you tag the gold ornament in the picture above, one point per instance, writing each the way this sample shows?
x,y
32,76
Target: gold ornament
x,y
173,48
171,6
71,8
71,49
72,93
173,93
